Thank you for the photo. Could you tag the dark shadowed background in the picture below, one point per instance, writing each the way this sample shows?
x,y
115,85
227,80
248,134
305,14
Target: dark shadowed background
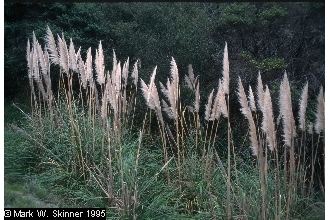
x,y
270,37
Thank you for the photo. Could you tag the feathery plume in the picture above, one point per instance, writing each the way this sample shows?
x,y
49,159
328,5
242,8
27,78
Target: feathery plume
x,y
208,106
114,76
192,83
124,85
168,110
260,92
197,98
63,54
46,59
188,82
286,111
72,57
150,94
41,59
225,70
66,55
190,78
104,106
105,98
246,111
81,69
117,78
191,73
35,67
171,92
114,61
152,84
89,66
51,46
163,89
135,73
125,71
34,39
99,65
302,108
268,126
252,103
35,64
319,124
47,75
174,76
219,103
145,92
78,54
28,50
28,59
111,93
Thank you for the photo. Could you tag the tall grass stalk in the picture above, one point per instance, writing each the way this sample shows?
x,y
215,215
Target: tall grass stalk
x,y
96,117
226,91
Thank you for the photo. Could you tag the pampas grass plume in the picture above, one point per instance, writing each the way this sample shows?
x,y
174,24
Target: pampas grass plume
x,y
319,124
135,73
302,108
72,57
197,98
51,46
251,100
89,66
225,70
260,92
219,103
246,111
208,106
99,64
268,126
286,111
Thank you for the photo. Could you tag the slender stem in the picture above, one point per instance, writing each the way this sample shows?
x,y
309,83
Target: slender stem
x,y
204,149
178,148
261,162
216,131
313,165
110,173
303,166
277,187
135,94
228,165
162,132
178,134
210,138
292,178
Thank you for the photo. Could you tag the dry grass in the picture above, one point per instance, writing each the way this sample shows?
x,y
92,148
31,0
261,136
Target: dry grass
x,y
109,97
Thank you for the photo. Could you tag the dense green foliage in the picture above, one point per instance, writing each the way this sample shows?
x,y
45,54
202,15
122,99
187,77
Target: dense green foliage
x,y
34,179
270,37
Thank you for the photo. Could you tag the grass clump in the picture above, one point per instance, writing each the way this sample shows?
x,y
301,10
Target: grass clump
x,y
86,143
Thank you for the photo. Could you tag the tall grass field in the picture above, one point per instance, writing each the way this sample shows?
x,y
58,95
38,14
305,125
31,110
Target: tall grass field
x,y
98,135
